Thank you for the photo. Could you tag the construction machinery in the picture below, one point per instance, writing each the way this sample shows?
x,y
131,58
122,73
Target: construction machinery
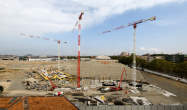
x,y
52,84
111,86
134,24
118,88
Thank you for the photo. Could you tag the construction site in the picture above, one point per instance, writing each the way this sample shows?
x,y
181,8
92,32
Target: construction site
x,y
101,83
86,84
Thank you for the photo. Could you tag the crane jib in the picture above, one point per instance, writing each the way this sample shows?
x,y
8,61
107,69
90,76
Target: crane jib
x,y
131,24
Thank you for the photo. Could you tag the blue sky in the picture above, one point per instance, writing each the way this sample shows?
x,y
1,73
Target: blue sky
x,y
56,19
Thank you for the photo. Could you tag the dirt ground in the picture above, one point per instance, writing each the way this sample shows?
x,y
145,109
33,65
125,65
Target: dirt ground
x,y
14,73
15,70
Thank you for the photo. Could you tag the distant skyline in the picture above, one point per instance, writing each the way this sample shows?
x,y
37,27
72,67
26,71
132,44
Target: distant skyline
x,y
56,18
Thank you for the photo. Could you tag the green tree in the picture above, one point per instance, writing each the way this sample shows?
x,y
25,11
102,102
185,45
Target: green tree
x,y
181,69
161,65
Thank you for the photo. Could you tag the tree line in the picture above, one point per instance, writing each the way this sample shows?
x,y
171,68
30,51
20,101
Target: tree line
x,y
159,65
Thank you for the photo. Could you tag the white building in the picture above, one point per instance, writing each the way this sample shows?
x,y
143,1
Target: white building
x,y
42,59
102,58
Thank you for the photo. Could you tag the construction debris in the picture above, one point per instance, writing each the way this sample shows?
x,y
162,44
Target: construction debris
x,y
118,102
140,100
101,99
93,92
42,79
78,94
128,101
103,92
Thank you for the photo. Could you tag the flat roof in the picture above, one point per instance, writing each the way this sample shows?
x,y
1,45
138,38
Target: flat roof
x,y
36,103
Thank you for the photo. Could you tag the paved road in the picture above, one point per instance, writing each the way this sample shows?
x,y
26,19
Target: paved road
x,y
178,88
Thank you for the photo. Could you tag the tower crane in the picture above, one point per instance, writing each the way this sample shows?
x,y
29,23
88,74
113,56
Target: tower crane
x,y
134,24
78,23
50,39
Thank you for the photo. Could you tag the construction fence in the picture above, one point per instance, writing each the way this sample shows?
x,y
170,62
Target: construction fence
x,y
134,107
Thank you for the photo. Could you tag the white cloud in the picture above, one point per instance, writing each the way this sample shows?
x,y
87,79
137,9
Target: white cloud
x,y
150,50
44,16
